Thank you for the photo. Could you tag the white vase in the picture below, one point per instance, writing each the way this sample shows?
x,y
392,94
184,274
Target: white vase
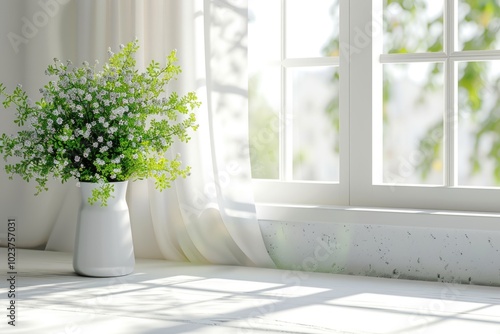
x,y
103,244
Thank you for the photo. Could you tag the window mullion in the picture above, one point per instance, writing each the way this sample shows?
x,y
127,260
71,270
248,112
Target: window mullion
x,y
478,55
344,104
310,62
395,58
285,145
287,136
451,109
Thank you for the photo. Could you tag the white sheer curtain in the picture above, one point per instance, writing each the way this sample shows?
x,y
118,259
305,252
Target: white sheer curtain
x,y
210,216
217,203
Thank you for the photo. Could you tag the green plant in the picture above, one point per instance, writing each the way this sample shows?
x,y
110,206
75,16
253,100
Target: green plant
x,y
100,126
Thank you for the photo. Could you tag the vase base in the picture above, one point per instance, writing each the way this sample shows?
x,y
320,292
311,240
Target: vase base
x,y
105,272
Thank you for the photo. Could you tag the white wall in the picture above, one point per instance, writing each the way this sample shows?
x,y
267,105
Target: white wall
x,y
31,35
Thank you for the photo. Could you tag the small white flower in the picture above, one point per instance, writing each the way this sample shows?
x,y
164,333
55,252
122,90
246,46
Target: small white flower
x,y
77,158
59,120
95,145
100,139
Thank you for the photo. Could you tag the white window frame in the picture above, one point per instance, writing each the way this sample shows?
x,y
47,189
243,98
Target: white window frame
x,y
366,78
285,190
360,140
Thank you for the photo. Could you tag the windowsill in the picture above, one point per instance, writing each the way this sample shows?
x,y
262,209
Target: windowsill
x,y
379,216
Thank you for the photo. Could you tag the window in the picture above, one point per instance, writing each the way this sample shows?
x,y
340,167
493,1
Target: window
x,y
297,89
399,105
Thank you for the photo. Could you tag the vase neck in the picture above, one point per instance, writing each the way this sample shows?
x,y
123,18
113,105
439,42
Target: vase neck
x,y
118,194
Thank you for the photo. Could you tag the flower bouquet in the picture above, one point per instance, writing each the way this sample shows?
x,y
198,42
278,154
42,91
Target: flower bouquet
x,y
103,126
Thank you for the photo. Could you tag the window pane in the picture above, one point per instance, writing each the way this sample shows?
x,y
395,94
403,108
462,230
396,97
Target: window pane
x,y
479,124
264,123
312,28
314,105
413,123
413,26
264,33
478,25
264,87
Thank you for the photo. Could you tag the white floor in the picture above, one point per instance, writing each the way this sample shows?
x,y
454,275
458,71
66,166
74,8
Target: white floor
x,y
166,297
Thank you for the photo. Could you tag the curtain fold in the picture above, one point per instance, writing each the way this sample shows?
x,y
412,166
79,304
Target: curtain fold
x,y
225,32
216,201
210,216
